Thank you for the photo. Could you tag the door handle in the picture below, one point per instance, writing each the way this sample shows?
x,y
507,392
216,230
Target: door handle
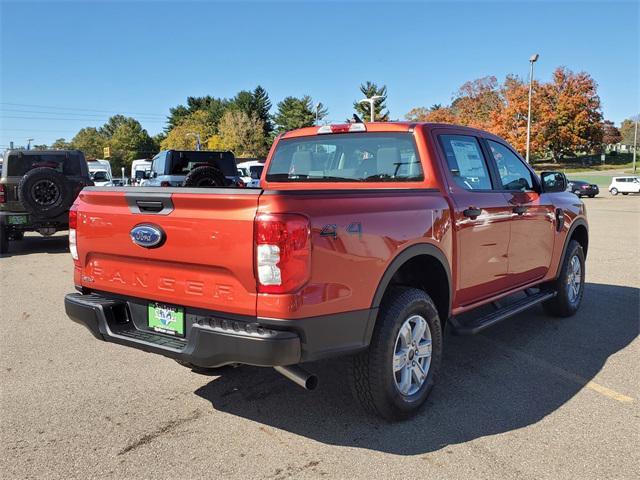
x,y
472,212
520,209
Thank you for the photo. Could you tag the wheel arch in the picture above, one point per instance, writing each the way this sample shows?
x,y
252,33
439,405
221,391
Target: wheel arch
x,y
423,266
579,231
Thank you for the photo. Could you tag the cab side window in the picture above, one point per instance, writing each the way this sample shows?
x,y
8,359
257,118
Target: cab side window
x,y
513,172
466,162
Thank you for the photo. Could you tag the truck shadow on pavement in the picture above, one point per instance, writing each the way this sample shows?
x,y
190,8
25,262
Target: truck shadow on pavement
x,y
38,244
504,379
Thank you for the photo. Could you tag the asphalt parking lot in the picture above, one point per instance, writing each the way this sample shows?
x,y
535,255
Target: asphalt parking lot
x,y
532,398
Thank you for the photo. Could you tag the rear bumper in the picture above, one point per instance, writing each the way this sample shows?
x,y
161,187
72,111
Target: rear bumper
x,y
61,222
213,339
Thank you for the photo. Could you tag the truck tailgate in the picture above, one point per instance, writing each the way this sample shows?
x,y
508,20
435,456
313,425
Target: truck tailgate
x,y
205,259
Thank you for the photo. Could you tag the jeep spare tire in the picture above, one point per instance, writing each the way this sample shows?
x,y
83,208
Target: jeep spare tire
x,y
205,176
45,193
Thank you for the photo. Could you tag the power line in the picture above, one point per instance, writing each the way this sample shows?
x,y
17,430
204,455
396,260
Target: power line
x,y
77,109
80,115
71,119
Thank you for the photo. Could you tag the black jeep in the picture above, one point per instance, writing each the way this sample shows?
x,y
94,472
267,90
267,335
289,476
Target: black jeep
x,y
37,187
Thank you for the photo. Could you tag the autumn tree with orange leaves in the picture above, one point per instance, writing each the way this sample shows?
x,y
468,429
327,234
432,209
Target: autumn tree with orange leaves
x,y
565,113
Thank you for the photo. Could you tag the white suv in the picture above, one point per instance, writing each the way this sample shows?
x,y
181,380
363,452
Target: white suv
x,y
624,185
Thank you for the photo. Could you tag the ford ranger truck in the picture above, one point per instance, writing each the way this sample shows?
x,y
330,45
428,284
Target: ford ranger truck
x,y
365,240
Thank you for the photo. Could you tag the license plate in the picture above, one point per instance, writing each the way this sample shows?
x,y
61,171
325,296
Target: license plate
x,y
166,319
17,220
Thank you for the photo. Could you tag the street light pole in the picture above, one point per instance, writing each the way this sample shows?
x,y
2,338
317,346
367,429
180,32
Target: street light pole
x,y
372,102
197,135
635,144
29,140
532,60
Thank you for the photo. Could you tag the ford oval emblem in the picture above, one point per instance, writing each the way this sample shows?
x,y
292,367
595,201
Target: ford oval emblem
x,y
147,236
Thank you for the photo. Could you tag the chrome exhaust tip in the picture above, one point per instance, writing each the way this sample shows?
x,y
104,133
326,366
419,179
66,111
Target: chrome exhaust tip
x,y
299,376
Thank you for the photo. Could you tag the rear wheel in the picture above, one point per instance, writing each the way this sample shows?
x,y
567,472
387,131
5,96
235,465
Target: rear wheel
x,y
569,286
625,193
591,196
395,375
614,191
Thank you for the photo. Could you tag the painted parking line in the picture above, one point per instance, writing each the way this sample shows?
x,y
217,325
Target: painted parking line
x,y
561,372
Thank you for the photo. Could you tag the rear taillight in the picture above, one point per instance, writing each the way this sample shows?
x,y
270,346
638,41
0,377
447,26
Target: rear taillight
x,y
3,194
283,252
73,238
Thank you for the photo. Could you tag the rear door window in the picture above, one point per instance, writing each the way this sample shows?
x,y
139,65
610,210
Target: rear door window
x,y
65,163
466,162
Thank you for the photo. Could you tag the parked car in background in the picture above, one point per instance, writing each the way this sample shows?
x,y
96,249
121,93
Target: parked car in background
x,y
256,173
100,172
624,185
140,171
364,240
120,182
250,171
582,188
101,178
37,187
189,168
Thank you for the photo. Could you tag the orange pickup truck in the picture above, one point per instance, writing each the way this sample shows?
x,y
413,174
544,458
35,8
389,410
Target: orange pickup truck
x,y
365,240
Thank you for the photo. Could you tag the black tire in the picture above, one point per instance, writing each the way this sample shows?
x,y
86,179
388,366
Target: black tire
x,y
4,240
562,305
45,192
614,191
591,196
205,176
17,236
625,193
372,377
577,192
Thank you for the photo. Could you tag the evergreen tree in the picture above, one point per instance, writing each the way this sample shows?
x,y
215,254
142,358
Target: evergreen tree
x,y
297,113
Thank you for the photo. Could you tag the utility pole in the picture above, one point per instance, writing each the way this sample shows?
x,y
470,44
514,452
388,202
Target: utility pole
x,y
533,59
372,105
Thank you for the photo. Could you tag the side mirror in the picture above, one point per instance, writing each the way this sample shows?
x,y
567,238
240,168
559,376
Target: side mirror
x,y
553,182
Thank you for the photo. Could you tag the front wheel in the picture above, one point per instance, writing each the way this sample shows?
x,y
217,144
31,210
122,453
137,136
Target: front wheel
x,y
577,193
614,191
591,196
395,375
569,286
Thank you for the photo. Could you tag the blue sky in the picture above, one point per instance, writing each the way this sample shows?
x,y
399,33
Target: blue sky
x,y
92,59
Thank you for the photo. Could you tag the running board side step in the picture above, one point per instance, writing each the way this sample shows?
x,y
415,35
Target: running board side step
x,y
479,324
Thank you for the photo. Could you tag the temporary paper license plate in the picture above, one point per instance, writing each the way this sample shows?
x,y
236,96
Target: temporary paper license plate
x,y
166,319
17,220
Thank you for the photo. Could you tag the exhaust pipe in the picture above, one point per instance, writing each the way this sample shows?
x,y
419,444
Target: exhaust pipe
x,y
299,375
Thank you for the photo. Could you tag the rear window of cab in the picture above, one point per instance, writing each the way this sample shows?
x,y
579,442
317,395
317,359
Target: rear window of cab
x,y
348,157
